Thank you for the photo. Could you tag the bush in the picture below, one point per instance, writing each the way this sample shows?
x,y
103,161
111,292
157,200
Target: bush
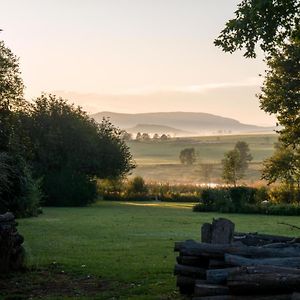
x,y
20,193
137,187
249,200
69,189
283,194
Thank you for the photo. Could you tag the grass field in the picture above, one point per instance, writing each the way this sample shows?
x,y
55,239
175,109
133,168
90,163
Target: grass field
x,y
159,160
129,246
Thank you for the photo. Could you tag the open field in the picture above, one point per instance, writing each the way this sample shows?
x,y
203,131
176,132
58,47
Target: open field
x,y
127,246
159,160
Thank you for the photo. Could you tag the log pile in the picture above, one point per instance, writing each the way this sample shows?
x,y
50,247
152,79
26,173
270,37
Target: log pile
x,y
11,250
228,265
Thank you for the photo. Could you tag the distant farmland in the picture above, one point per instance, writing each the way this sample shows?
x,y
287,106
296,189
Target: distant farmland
x,y
158,160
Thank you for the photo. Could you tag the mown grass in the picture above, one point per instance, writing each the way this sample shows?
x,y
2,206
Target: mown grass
x,y
128,244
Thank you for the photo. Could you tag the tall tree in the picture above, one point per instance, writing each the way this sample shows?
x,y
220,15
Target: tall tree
x,y
245,155
70,150
231,163
11,93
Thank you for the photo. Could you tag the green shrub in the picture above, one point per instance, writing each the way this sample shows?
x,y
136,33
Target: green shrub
x,y
282,194
136,187
20,193
69,189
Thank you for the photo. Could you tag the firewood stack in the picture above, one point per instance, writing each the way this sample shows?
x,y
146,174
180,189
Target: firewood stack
x,y
228,265
11,250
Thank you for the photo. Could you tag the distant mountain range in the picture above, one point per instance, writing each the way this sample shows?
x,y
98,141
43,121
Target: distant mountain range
x,y
179,123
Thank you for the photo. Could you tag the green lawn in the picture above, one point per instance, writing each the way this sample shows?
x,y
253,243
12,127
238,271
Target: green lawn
x,y
127,244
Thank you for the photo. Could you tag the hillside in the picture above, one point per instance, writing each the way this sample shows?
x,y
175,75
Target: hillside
x,y
194,122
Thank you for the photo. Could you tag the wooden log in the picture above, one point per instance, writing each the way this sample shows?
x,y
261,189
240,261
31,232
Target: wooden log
x,y
179,245
255,239
185,281
196,261
265,270
222,231
206,233
216,263
210,289
289,262
185,284
295,296
252,297
7,217
219,276
189,271
218,251
243,283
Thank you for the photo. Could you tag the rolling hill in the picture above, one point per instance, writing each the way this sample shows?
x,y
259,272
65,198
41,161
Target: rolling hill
x,y
191,123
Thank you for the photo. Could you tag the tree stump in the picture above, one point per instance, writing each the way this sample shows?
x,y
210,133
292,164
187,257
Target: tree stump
x,y
221,231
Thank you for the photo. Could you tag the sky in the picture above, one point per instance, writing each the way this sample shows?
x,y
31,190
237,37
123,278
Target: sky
x,y
133,56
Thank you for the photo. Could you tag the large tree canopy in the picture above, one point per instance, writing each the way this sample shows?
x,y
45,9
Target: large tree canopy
x,y
69,150
268,23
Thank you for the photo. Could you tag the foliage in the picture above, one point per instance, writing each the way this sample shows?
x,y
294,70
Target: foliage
x,y
19,192
276,24
268,23
280,92
278,200
231,167
245,155
70,149
284,195
283,165
235,163
187,156
137,187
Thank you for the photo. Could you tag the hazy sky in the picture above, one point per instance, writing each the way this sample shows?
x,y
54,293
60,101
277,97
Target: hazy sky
x,y
133,55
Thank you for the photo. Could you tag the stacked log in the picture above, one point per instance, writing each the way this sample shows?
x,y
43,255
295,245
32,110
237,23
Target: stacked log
x,y
229,266
11,250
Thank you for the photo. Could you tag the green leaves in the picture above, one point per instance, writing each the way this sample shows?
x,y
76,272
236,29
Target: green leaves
x,y
268,23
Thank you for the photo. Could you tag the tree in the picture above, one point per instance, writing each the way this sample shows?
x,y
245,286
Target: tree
x,y
206,170
270,23
275,25
187,156
145,137
155,137
164,137
19,191
284,165
70,150
235,162
11,93
138,136
232,167
280,92
245,155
